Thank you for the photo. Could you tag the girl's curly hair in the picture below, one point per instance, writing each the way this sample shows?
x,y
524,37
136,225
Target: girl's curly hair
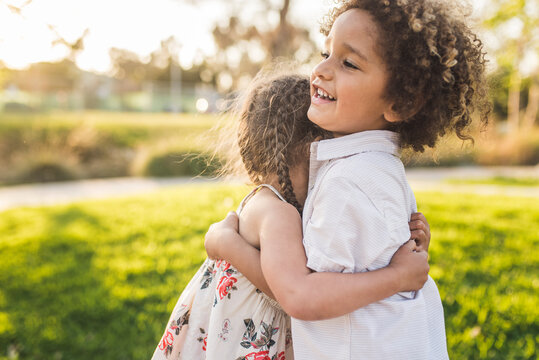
x,y
273,131
436,66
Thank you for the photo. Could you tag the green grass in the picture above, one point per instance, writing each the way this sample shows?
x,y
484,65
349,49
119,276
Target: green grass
x,y
97,280
484,258
497,180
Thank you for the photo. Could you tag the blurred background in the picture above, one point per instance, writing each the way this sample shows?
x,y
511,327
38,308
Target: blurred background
x,y
109,89
97,89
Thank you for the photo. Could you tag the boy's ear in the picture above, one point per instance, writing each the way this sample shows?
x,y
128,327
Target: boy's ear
x,y
391,115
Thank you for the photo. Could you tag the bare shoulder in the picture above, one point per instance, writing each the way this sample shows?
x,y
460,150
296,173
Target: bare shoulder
x,y
265,206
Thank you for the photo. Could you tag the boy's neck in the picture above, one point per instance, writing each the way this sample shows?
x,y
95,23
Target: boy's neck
x,y
338,135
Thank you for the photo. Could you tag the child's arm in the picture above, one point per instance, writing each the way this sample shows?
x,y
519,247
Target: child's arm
x,y
223,241
302,293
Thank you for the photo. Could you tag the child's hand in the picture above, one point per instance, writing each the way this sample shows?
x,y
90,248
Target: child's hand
x,y
411,265
420,229
218,234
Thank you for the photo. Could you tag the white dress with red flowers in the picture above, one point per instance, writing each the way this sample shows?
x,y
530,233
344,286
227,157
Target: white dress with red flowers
x,y
221,315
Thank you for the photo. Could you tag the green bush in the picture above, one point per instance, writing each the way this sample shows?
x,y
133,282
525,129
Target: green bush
x,y
97,280
45,172
181,164
100,144
43,166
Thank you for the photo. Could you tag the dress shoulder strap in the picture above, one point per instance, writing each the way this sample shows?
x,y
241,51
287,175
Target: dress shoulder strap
x,y
274,191
254,191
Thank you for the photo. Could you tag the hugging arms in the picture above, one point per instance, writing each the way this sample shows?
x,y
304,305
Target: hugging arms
x,y
279,268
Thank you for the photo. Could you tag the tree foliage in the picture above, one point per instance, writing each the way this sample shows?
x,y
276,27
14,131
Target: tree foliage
x,y
515,23
244,45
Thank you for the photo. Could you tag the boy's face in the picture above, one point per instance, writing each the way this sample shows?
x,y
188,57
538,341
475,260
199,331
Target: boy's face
x,y
347,86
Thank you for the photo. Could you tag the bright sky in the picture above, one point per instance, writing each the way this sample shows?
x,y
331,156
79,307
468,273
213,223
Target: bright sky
x,y
135,25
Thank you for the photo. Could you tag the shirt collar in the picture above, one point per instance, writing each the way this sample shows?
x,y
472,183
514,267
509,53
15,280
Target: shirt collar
x,y
364,141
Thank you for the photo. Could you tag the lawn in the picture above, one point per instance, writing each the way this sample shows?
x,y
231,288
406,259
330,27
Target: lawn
x,y
497,180
97,280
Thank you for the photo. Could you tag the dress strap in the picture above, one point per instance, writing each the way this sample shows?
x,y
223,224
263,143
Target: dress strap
x,y
254,191
274,191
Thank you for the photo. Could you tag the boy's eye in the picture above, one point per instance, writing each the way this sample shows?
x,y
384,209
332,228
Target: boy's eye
x,y
324,54
350,65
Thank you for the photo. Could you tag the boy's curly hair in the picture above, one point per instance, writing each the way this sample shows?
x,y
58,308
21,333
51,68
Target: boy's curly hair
x,y
436,66
273,131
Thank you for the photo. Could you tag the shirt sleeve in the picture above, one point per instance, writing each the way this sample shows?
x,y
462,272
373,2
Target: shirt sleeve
x,y
346,231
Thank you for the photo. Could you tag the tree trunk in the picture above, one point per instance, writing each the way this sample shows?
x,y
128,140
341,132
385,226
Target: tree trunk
x,y
533,104
279,43
284,12
513,102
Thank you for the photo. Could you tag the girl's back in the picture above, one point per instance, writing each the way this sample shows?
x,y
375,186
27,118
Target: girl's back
x,y
221,314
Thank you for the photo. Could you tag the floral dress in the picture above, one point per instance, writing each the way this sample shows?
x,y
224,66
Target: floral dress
x,y
222,315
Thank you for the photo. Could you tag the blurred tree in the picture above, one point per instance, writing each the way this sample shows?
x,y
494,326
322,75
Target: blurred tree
x,y
15,9
47,77
530,116
135,71
74,47
516,24
63,75
249,41
158,73
4,74
129,67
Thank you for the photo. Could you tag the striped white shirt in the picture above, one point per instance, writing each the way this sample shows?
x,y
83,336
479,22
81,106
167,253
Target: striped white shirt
x,y
355,218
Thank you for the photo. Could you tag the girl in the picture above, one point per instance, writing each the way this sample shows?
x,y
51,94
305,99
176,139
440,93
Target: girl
x,y
394,73
220,314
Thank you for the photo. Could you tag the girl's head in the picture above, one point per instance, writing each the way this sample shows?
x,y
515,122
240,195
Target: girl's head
x,y
274,132
423,64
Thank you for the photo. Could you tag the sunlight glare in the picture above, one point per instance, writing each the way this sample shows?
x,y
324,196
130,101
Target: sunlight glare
x,y
202,105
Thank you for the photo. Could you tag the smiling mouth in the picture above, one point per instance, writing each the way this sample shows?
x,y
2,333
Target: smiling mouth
x,y
322,94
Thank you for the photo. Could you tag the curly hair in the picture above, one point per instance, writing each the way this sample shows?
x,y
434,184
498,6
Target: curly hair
x,y
273,131
436,66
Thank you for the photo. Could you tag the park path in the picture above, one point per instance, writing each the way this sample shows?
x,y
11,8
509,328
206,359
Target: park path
x,y
424,179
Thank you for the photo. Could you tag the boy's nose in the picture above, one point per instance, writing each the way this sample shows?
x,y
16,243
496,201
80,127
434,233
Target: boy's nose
x,y
323,70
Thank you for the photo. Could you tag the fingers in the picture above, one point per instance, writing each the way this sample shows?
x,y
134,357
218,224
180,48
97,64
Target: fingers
x,y
410,245
423,258
420,238
418,225
423,254
418,235
232,220
418,216
418,221
420,231
231,216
